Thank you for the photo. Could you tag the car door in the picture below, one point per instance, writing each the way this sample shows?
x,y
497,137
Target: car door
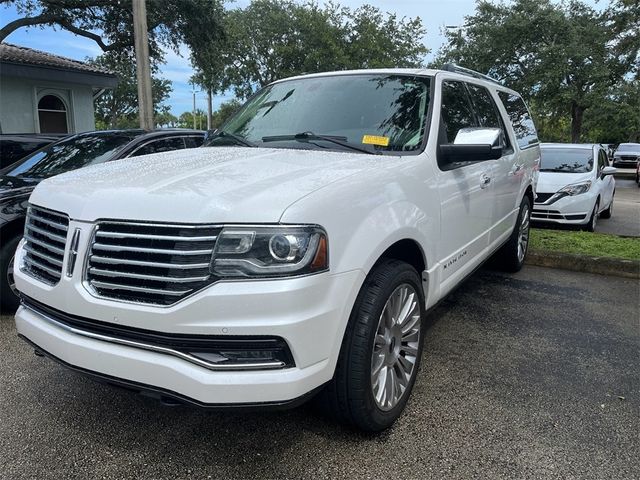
x,y
465,189
507,175
605,184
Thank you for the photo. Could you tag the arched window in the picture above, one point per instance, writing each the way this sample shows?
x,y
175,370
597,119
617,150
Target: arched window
x,y
52,115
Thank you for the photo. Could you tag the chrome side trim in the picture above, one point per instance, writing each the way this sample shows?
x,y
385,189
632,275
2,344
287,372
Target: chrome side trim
x,y
155,348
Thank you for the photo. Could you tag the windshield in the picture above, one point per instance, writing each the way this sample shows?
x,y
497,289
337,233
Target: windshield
x,y
386,113
74,152
569,160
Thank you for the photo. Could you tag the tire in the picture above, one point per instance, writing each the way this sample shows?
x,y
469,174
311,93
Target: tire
x,y
609,211
8,299
350,395
593,220
512,255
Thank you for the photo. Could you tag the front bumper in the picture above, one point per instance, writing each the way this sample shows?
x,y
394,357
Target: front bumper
x,y
308,313
625,163
568,210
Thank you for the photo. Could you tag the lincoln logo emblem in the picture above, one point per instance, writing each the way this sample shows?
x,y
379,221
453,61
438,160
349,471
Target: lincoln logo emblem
x,y
73,252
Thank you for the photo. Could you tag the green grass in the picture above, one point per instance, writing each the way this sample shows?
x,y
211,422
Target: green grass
x,y
585,243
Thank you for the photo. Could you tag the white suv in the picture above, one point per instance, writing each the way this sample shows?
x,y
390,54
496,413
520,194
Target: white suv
x,y
298,252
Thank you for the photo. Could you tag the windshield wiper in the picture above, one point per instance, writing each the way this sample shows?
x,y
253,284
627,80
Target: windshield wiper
x,y
232,136
305,136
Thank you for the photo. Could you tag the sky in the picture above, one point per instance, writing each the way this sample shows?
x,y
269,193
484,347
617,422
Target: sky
x,y
435,16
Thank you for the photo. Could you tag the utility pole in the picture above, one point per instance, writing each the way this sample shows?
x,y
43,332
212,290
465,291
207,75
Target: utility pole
x,y
194,106
143,68
209,108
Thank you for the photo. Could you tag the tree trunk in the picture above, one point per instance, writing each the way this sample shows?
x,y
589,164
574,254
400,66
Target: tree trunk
x,y
209,109
577,114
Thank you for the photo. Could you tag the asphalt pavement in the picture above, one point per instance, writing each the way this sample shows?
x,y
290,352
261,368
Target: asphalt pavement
x,y
532,375
626,211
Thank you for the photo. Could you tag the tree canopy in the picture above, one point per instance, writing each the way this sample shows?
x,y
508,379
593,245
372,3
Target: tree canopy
x,y
109,22
273,39
564,58
118,108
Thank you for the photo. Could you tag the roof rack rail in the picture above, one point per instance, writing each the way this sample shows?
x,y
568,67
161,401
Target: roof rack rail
x,y
451,67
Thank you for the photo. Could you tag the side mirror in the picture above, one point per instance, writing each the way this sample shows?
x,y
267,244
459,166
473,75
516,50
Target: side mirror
x,y
608,171
473,145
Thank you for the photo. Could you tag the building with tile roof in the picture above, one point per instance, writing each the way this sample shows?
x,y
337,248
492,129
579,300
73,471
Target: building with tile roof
x,y
45,93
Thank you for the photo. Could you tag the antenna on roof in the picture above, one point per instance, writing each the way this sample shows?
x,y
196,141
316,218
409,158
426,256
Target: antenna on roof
x,y
451,67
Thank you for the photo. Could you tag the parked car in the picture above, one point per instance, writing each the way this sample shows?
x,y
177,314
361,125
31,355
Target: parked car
x,y
297,254
627,155
575,187
14,147
18,181
638,174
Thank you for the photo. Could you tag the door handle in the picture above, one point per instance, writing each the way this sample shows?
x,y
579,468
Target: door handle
x,y
516,169
485,180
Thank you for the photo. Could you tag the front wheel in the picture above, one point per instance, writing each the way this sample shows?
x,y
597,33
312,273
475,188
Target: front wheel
x,y
593,220
511,256
380,353
9,299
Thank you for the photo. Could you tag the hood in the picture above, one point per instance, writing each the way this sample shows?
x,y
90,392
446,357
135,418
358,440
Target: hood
x,y
201,185
551,182
15,186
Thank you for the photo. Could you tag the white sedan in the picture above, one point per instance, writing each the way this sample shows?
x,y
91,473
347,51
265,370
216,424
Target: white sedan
x,y
575,187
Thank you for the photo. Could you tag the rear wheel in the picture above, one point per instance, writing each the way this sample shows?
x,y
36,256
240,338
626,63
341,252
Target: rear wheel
x,y
8,298
512,255
380,353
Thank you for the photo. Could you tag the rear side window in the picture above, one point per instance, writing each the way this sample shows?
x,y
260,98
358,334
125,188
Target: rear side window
x,y
487,111
157,146
457,112
521,120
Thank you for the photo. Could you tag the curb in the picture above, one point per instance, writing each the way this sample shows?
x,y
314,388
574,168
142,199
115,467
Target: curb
x,y
618,267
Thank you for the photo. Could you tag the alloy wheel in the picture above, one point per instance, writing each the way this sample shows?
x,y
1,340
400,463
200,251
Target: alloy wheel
x,y
523,232
395,347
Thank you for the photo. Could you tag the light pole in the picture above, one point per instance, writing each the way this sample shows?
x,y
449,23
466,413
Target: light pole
x,y
143,69
194,91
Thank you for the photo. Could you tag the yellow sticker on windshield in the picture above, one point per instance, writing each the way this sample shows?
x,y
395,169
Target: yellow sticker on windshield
x,y
375,140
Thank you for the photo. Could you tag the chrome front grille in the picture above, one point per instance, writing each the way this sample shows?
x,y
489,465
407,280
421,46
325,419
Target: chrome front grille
x,y
45,233
150,263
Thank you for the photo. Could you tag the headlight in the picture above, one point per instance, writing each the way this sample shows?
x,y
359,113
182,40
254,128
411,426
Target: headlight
x,y
576,188
270,251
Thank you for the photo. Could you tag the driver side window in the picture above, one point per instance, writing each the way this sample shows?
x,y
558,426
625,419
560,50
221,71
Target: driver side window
x,y
457,112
